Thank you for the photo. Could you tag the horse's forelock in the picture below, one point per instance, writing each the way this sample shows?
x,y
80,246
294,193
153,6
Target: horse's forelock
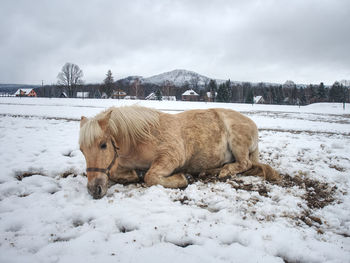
x,y
89,132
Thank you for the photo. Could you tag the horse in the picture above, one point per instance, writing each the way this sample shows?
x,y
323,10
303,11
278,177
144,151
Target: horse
x,y
121,140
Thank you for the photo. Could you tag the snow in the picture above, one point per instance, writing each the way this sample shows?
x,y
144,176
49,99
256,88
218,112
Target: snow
x,y
47,215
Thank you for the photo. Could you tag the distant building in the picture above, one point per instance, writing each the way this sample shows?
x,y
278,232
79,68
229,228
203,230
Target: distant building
x,y
153,96
209,96
259,100
130,98
25,93
104,95
118,94
190,95
81,94
63,95
6,94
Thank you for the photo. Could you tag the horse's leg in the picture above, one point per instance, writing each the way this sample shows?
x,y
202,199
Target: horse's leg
x,y
161,171
242,162
125,176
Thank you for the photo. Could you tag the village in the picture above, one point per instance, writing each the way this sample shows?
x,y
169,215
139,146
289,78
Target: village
x,y
183,85
188,95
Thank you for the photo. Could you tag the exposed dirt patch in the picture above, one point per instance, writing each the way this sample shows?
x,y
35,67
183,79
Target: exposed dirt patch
x,y
182,244
20,175
68,173
318,194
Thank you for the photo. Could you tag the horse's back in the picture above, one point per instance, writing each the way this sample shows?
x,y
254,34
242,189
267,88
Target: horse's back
x,y
217,121
208,134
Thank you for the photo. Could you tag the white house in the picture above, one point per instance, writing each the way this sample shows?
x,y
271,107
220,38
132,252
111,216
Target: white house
x,y
210,96
259,100
152,96
81,94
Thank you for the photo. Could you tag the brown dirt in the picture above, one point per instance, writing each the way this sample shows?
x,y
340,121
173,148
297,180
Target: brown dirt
x,y
317,194
20,175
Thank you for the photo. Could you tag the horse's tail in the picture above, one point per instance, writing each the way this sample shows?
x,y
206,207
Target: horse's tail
x,y
260,169
263,170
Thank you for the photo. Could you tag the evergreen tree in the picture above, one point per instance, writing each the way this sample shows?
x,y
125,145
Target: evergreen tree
x,y
221,93
224,92
272,95
228,91
321,91
108,83
337,92
302,96
250,96
279,96
213,89
158,95
294,94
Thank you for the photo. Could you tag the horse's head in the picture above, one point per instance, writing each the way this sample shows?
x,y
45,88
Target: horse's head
x,y
100,151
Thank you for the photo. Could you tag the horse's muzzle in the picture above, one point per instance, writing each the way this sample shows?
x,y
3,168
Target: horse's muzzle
x,y
98,187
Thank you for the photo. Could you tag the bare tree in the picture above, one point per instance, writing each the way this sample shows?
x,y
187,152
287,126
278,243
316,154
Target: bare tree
x,y
70,77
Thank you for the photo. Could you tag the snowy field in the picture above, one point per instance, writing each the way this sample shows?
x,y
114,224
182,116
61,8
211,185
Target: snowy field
x,y
47,215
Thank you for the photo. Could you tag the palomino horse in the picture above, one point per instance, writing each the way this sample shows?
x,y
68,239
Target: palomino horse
x,y
120,140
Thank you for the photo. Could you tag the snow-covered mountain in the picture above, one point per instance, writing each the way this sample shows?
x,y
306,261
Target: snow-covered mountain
x,y
178,77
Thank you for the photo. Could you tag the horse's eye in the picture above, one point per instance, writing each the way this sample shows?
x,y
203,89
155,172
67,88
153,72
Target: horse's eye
x,y
103,146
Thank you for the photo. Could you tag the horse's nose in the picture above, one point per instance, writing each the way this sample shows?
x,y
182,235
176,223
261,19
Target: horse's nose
x,y
97,192
97,187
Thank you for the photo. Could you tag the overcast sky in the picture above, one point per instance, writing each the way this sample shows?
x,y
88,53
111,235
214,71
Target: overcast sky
x,y
307,41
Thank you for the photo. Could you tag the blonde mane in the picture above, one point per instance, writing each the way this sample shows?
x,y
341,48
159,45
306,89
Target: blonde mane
x,y
128,124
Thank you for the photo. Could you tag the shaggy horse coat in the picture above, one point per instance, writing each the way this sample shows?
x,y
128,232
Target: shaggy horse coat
x,y
120,140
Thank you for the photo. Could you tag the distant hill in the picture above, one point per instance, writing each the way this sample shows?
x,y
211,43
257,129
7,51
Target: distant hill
x,y
177,77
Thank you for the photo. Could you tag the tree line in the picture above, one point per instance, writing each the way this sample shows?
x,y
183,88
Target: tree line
x,y
70,81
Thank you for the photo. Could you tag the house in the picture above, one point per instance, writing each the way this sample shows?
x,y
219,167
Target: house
x,y
209,96
25,93
259,100
5,94
286,100
152,96
63,95
104,95
190,95
130,98
118,94
82,94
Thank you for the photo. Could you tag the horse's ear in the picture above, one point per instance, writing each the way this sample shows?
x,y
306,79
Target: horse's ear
x,y
83,120
104,122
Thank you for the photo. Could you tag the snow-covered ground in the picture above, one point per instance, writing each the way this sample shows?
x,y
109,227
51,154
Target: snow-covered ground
x,y
46,214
